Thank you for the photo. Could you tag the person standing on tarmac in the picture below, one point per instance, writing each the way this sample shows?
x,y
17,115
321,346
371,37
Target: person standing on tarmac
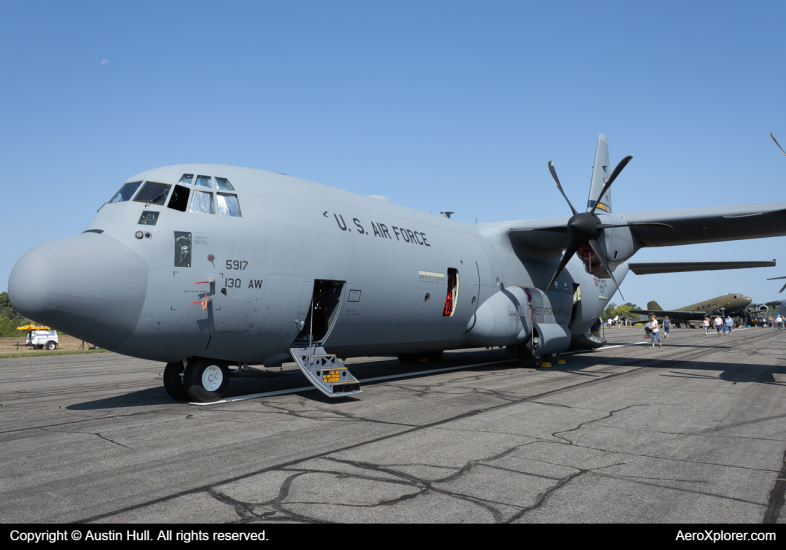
x,y
706,326
718,324
666,326
654,334
729,324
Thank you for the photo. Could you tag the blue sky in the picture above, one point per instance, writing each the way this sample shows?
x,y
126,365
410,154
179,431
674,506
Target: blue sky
x,y
437,105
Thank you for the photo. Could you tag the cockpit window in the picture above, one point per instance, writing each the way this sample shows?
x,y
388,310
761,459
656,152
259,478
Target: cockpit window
x,y
126,192
179,199
153,192
224,184
187,179
228,205
202,203
203,181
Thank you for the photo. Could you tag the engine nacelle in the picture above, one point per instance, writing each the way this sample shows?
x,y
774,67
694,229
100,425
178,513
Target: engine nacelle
x,y
509,317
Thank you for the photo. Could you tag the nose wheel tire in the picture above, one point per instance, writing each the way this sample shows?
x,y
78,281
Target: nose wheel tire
x,y
206,380
173,382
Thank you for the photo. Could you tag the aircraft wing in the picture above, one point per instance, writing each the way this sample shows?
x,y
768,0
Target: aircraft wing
x,y
542,234
711,224
651,268
678,316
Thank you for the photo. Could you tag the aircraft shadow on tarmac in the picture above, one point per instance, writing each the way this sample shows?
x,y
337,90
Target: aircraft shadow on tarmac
x,y
252,383
730,372
246,384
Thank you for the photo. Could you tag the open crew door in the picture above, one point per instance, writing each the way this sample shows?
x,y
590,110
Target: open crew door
x,y
322,369
574,313
323,312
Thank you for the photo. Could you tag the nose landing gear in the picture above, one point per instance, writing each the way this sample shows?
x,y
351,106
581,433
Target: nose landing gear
x,y
203,380
206,380
173,381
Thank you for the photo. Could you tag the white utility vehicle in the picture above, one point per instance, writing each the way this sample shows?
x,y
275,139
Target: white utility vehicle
x,y
40,337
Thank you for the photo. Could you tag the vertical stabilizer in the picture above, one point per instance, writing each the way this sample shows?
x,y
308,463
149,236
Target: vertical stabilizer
x,y
600,174
653,305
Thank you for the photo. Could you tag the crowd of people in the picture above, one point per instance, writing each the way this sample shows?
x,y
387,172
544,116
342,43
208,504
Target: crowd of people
x,y
769,322
722,325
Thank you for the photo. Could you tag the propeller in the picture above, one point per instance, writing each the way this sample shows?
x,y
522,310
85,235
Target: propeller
x,y
585,228
776,143
775,279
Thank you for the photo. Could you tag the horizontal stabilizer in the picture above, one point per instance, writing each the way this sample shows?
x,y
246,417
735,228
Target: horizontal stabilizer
x,y
651,268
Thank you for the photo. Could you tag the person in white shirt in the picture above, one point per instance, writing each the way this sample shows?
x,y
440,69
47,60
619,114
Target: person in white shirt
x,y
654,332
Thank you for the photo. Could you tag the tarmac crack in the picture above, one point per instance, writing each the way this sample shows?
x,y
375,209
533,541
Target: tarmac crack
x,y
609,415
111,441
777,496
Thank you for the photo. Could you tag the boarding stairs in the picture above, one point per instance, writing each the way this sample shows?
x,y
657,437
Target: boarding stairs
x,y
325,371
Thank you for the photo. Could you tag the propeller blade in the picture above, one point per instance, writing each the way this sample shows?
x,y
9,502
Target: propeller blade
x,y
639,224
781,290
779,147
599,253
617,169
569,252
776,278
556,180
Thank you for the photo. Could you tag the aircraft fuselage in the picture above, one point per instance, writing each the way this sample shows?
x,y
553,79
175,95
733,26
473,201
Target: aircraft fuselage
x,y
385,273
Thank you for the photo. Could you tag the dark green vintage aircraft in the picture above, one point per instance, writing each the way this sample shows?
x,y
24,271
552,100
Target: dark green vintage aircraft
x,y
728,304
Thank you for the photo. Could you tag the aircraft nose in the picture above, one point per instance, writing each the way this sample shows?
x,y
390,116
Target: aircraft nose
x,y
90,286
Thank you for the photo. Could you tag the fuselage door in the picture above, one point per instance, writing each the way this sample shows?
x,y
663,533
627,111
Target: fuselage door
x,y
574,313
323,312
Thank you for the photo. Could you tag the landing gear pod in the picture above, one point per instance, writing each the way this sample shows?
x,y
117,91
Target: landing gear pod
x,y
502,320
534,321
550,338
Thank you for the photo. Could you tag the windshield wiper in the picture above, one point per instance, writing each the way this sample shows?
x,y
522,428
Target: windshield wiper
x,y
161,194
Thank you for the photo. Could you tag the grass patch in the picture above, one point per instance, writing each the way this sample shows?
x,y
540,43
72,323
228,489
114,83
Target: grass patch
x,y
40,353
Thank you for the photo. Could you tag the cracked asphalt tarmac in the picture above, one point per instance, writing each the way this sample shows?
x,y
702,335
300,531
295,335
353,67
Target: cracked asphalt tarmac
x,y
693,432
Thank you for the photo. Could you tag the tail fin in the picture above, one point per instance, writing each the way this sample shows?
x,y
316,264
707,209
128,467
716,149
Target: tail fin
x,y
653,305
600,173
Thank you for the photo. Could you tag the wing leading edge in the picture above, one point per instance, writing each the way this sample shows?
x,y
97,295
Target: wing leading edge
x,y
688,226
712,224
652,268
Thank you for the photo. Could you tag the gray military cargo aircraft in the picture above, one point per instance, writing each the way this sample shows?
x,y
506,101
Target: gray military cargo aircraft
x,y
208,266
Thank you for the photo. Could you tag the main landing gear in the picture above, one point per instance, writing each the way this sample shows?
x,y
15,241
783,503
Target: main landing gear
x,y
202,380
527,359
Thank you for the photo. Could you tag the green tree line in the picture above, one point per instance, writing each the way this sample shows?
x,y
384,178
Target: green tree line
x,y
612,310
10,318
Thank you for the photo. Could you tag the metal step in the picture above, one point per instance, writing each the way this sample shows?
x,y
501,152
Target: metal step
x,y
325,372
